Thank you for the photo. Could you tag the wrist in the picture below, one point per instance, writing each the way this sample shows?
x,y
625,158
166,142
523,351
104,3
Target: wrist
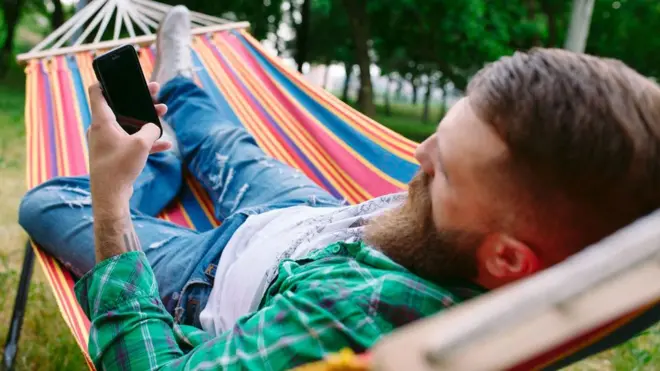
x,y
110,203
109,207
110,212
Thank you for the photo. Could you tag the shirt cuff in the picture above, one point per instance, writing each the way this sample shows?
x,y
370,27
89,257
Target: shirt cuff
x,y
114,281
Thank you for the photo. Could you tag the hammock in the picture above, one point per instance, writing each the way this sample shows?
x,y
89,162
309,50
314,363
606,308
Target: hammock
x,y
350,155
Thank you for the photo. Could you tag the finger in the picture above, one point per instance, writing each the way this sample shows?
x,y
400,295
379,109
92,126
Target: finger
x,y
154,88
101,111
147,135
160,146
161,109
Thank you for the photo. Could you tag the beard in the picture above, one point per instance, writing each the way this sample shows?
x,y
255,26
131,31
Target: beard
x,y
407,234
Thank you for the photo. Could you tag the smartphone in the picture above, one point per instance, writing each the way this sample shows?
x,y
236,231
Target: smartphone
x,y
125,88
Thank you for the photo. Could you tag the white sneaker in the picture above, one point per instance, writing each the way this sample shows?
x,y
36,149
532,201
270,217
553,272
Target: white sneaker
x,y
173,47
173,58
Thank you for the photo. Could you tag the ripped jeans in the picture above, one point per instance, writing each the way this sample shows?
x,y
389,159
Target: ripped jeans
x,y
239,177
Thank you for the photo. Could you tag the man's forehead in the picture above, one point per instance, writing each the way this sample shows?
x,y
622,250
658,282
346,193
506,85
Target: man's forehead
x,y
464,133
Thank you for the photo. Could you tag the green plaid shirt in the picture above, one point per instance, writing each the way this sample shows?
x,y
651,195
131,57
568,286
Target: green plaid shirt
x,y
346,295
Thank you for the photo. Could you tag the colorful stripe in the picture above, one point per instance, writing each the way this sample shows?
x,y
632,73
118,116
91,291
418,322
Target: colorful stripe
x,y
395,142
304,126
289,128
327,127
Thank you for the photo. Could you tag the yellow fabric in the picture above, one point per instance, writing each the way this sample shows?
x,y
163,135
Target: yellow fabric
x,y
345,360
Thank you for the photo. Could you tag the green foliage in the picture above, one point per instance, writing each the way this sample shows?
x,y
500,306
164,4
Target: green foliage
x,y
449,38
625,30
329,39
264,16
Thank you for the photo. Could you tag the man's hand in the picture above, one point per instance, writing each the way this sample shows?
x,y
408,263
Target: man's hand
x,y
115,161
115,157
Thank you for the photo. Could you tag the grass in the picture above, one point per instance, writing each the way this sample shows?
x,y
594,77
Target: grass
x,y
47,344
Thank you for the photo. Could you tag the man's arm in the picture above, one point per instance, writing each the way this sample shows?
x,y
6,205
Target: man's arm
x,y
114,234
132,331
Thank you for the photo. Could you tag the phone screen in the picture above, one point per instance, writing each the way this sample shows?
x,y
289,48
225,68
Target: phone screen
x,y
125,88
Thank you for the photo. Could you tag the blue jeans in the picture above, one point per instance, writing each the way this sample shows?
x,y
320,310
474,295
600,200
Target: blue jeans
x,y
239,177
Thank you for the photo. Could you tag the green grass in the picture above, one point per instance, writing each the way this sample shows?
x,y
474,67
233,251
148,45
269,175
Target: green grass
x,y
47,344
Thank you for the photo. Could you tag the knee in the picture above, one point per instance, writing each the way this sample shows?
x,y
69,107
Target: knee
x,y
37,203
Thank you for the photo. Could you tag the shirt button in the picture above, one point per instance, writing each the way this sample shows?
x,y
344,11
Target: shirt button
x,y
336,249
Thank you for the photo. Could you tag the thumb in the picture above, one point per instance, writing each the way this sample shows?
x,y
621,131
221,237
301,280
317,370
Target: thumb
x,y
101,112
148,135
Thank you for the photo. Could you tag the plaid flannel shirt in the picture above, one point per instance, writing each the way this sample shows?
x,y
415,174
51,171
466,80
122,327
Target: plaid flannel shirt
x,y
346,295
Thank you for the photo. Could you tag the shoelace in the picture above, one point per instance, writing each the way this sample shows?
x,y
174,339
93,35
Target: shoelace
x,y
179,57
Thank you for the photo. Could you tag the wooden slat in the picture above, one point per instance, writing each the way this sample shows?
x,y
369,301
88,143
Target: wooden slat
x,y
139,40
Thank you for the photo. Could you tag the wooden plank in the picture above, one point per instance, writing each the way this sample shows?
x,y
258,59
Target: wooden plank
x,y
139,40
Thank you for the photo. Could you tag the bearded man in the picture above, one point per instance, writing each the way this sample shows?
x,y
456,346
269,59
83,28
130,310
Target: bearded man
x,y
548,152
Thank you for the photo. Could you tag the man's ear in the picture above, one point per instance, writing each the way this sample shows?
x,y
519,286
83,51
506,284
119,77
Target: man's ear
x,y
504,259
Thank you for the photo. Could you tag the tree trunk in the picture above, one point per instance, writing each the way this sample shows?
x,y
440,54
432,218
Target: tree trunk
x,y
12,13
347,83
326,76
399,89
578,30
302,35
427,99
57,18
415,90
359,22
278,44
551,13
443,108
388,106
531,14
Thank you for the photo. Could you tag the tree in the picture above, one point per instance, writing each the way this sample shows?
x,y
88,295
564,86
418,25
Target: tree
x,y
359,25
430,83
386,96
622,30
348,68
301,29
57,17
329,39
11,14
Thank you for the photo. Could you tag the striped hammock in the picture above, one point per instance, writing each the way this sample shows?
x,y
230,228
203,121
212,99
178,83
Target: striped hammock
x,y
347,153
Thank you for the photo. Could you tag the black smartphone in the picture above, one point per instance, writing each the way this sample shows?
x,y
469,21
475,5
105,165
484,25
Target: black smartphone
x,y
125,88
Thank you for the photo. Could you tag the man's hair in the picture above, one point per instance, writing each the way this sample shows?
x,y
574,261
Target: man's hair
x,y
579,128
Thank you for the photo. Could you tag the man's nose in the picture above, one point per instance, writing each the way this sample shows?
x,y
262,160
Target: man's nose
x,y
422,155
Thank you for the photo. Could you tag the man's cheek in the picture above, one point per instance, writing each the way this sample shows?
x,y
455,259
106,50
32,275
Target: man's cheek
x,y
440,213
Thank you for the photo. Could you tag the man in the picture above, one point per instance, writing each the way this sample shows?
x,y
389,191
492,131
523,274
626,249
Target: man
x,y
549,151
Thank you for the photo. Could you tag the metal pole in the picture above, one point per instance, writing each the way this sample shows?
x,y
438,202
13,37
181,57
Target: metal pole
x,y
11,346
578,30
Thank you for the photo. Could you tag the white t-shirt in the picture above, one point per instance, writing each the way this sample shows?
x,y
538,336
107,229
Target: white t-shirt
x,y
249,261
